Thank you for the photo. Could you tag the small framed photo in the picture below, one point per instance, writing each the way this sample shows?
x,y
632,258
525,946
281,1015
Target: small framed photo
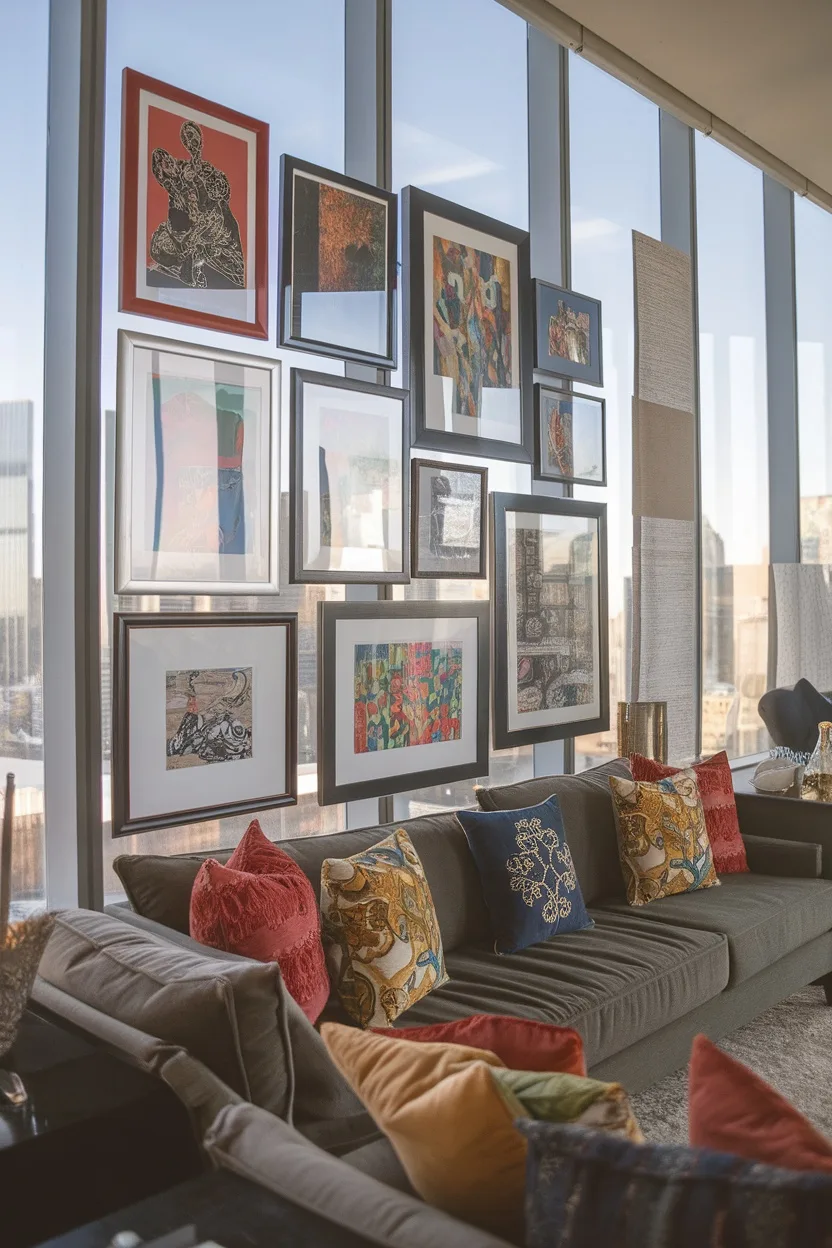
x,y
568,334
204,717
337,278
406,687
194,210
549,589
448,507
571,437
349,507
197,474
467,330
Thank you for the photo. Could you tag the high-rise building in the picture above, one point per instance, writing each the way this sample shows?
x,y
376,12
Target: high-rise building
x,y
16,539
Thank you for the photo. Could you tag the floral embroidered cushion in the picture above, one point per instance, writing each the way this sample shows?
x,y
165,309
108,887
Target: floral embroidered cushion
x,y
716,788
384,945
527,874
662,839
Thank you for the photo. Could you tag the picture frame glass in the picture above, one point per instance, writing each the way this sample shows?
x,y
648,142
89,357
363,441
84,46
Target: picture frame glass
x,y
448,520
471,332
197,498
351,490
554,645
340,285
568,334
571,436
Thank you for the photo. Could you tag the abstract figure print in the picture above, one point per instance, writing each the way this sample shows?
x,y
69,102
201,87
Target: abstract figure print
x,y
406,693
472,331
559,437
569,335
208,715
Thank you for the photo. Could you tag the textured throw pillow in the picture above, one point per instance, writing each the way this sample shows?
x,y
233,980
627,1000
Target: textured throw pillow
x,y
385,948
587,1188
735,1111
449,1112
662,839
261,905
716,788
528,877
520,1043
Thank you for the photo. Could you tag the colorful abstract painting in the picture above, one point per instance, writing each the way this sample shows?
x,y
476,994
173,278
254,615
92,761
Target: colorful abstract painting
x,y
199,430
559,440
208,715
406,693
569,335
472,330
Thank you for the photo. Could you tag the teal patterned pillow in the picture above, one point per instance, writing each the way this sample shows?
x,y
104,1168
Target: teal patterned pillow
x,y
528,877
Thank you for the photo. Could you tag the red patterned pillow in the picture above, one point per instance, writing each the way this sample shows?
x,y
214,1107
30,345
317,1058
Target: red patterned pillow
x,y
716,788
522,1043
262,905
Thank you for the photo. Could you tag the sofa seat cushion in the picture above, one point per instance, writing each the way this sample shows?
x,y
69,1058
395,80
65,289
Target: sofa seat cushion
x,y
614,983
763,917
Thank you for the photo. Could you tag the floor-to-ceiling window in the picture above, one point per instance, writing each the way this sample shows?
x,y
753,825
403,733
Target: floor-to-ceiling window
x,y
813,284
734,449
614,157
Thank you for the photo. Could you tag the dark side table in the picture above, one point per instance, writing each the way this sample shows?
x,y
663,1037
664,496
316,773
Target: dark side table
x,y
222,1208
95,1135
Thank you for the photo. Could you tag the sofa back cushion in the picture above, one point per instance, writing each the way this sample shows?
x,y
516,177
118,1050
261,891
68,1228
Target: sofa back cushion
x,y
588,819
160,887
229,1015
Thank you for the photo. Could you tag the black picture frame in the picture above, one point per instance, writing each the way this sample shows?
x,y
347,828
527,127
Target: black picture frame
x,y
541,456
415,204
505,737
298,573
547,297
123,824
417,466
288,334
330,788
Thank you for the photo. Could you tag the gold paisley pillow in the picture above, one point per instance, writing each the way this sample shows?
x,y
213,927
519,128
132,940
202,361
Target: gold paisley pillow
x,y
384,946
662,839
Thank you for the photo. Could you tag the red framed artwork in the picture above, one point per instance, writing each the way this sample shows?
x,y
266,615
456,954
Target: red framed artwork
x,y
194,210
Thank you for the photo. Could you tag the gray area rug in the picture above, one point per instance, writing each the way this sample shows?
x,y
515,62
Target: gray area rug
x,y
790,1046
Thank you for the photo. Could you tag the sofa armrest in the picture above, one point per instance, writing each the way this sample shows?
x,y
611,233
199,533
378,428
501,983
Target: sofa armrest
x,y
788,819
769,856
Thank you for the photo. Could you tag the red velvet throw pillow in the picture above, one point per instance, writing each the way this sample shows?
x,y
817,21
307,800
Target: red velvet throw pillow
x,y
716,788
261,905
522,1043
732,1110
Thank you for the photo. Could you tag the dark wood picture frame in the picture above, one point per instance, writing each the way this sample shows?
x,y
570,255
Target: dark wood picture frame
x,y
416,467
133,83
329,614
505,738
298,575
540,474
415,203
289,166
591,374
122,823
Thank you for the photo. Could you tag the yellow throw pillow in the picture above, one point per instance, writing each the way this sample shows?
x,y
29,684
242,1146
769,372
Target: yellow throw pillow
x,y
449,1112
662,839
383,942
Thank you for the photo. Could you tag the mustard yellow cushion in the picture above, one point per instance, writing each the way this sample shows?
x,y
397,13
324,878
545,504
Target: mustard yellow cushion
x,y
380,928
662,839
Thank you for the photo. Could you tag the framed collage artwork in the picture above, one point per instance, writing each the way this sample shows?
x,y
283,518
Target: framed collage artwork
x,y
449,508
194,210
197,473
204,717
570,431
337,276
467,329
568,341
406,684
549,588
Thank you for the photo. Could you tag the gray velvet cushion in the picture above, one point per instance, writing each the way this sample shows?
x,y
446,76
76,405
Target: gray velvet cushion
x,y
228,1015
615,983
160,888
588,820
763,917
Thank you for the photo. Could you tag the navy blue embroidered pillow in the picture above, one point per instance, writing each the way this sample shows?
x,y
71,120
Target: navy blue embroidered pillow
x,y
528,877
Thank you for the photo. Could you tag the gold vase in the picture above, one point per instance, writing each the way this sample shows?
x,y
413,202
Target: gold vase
x,y
642,729
817,778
